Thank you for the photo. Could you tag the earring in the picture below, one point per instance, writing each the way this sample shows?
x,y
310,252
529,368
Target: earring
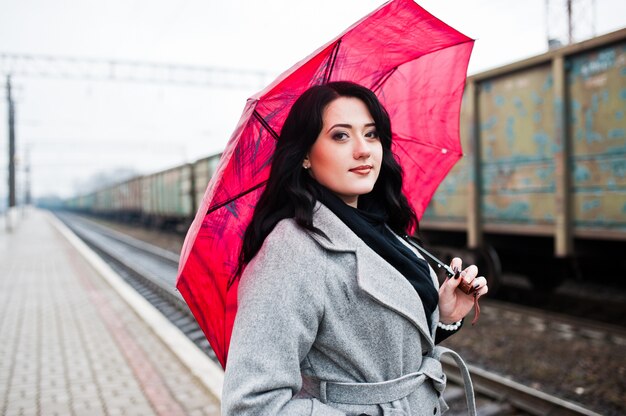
x,y
306,165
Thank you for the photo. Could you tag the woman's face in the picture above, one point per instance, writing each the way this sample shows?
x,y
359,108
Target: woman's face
x,y
347,154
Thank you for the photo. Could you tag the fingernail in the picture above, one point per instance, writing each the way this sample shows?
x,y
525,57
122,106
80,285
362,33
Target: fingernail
x,y
457,274
477,285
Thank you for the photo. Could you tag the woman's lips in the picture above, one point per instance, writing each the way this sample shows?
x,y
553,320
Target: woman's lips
x,y
362,170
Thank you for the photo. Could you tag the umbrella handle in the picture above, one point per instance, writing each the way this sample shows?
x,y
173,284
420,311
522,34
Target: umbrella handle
x,y
464,286
425,252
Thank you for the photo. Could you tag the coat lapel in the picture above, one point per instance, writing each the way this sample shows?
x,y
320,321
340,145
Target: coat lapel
x,y
375,276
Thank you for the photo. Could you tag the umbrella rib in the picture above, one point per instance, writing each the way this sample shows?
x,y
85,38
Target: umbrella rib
x,y
383,79
420,142
223,204
409,156
329,69
264,124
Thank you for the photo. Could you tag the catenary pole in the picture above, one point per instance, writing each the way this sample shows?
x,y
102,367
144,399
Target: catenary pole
x,y
570,30
11,110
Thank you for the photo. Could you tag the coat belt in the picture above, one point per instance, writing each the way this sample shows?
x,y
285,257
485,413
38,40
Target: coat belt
x,y
392,390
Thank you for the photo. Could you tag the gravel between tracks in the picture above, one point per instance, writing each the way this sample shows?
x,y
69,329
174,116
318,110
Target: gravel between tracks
x,y
549,357
543,354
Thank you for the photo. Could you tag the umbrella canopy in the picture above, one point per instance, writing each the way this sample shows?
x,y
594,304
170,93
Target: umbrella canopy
x,y
416,65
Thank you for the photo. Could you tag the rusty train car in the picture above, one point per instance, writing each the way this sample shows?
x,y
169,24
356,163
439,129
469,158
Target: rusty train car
x,y
542,184
544,174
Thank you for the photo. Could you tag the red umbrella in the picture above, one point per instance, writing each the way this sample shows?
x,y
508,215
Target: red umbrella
x,y
416,65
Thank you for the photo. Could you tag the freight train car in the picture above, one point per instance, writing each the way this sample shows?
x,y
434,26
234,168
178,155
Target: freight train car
x,y
543,180
104,203
129,199
167,196
203,171
83,203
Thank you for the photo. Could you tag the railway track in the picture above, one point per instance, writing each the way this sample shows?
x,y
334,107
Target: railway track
x,y
149,269
152,272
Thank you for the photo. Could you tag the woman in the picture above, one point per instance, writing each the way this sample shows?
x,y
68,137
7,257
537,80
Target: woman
x,y
337,314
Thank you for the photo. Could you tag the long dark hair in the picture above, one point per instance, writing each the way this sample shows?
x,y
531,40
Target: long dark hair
x,y
291,192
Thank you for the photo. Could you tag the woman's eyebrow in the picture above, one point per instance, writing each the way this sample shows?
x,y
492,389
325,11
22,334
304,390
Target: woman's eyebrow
x,y
348,126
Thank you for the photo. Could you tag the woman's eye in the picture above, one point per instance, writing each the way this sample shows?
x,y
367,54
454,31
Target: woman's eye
x,y
339,136
372,134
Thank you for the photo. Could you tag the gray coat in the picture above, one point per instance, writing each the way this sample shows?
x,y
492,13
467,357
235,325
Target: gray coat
x,y
329,328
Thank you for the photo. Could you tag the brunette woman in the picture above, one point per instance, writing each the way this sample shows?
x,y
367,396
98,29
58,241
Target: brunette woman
x,y
338,315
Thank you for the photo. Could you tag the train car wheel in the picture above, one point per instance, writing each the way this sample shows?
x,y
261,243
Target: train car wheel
x,y
488,263
547,277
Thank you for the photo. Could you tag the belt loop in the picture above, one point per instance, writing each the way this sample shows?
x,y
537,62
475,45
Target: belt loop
x,y
323,398
467,380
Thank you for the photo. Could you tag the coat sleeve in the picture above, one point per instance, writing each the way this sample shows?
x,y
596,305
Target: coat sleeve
x,y
281,305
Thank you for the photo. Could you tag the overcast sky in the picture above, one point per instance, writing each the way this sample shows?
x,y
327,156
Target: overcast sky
x,y
75,128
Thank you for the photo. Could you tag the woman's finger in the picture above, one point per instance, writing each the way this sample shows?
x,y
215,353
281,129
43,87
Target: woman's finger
x,y
469,273
464,281
482,288
451,283
479,282
456,264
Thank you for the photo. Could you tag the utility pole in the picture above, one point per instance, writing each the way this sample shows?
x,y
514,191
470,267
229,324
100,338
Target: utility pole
x,y
569,21
27,191
11,108
570,37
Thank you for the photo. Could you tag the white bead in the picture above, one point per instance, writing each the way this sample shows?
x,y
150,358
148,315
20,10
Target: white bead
x,y
450,327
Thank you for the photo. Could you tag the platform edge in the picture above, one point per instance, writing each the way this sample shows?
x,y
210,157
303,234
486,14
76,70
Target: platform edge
x,y
202,367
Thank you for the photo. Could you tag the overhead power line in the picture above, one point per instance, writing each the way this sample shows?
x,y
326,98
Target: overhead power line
x,y
63,67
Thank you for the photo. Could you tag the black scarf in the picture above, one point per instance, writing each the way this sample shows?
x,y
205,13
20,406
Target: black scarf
x,y
368,223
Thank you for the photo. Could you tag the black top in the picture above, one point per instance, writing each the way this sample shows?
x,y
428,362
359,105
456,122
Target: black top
x,y
368,222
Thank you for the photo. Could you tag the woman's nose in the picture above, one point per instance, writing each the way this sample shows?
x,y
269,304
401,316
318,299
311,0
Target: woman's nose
x,y
361,148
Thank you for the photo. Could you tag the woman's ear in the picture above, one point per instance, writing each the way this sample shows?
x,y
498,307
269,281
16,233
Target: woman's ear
x,y
306,163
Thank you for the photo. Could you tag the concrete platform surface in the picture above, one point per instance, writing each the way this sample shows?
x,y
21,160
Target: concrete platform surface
x,y
71,345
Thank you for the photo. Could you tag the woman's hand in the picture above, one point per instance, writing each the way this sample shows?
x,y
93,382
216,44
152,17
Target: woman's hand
x,y
454,304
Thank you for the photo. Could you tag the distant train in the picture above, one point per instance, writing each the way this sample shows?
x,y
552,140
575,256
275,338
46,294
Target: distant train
x,y
167,199
542,184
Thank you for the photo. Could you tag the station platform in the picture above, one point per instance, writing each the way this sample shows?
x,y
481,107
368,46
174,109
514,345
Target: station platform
x,y
74,341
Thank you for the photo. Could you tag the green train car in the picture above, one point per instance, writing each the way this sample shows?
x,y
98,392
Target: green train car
x,y
203,171
167,196
544,170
